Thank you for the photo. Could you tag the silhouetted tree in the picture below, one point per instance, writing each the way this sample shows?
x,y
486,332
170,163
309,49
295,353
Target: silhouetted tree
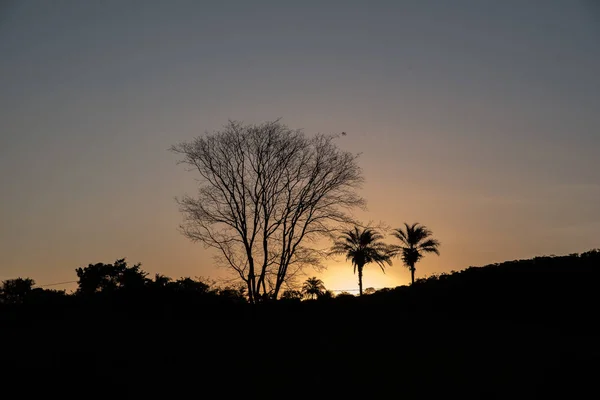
x,y
313,287
369,290
109,277
235,294
15,291
264,190
161,281
415,242
292,295
189,285
362,247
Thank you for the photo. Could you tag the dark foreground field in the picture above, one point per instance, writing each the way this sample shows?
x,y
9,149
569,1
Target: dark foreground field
x,y
334,357
517,330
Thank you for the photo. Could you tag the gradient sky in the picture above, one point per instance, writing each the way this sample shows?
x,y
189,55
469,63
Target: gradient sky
x,y
477,118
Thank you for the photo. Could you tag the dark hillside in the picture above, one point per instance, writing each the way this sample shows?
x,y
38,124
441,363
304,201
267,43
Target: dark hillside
x,y
520,329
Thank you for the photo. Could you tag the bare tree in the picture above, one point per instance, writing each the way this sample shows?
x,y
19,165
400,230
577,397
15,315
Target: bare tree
x,y
264,190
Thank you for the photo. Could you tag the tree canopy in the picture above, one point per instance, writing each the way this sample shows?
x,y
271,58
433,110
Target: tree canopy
x,y
362,246
415,241
264,190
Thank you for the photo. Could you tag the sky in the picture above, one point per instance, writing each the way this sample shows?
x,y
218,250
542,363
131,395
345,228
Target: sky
x,y
477,118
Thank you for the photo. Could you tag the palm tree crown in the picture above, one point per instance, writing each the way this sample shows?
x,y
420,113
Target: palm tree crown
x,y
362,247
313,287
415,241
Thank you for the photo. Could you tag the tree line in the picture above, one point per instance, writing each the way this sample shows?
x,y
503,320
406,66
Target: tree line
x,y
361,246
549,287
118,283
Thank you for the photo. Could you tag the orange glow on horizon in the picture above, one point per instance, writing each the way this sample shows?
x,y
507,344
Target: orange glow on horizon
x,y
340,277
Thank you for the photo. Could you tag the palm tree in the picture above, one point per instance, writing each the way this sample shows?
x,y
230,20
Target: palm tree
x,y
363,247
415,242
313,287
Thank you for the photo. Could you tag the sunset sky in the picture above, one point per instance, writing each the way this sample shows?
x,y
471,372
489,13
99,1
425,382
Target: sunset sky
x,y
477,118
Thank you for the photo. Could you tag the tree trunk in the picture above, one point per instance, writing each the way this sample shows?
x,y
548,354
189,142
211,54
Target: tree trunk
x,y
412,273
250,294
360,268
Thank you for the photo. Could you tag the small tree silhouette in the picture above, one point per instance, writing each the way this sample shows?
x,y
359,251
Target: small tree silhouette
x,y
14,291
161,281
344,295
415,241
292,295
369,290
110,277
313,288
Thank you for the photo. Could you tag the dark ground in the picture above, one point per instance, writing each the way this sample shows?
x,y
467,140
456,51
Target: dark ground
x,y
324,357
517,330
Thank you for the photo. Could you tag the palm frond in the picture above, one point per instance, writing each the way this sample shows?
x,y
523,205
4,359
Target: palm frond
x,y
401,235
363,247
430,246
